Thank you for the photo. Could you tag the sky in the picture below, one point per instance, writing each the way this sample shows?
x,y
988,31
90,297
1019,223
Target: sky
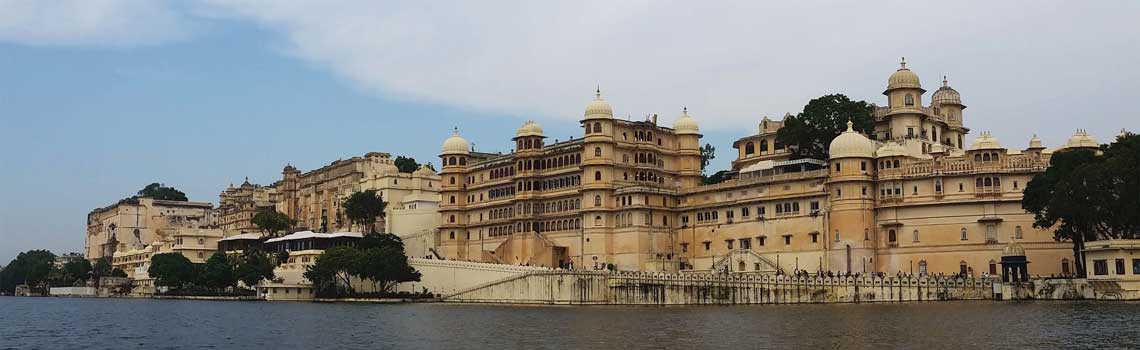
x,y
100,97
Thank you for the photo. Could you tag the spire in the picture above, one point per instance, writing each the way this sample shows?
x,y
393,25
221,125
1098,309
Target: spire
x,y
945,83
598,92
850,126
455,131
903,63
684,110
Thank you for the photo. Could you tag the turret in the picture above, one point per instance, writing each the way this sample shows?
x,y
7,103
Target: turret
x,y
851,186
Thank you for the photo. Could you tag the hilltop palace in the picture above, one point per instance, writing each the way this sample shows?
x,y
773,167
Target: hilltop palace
x,y
911,198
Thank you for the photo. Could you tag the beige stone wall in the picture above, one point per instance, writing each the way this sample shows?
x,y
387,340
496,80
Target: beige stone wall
x,y
119,223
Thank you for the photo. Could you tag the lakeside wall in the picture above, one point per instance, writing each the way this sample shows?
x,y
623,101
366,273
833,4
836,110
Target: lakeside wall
x,y
444,277
641,288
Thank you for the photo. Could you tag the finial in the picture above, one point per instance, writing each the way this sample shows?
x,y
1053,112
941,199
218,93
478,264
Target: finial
x,y
850,126
945,83
685,110
903,63
598,92
455,131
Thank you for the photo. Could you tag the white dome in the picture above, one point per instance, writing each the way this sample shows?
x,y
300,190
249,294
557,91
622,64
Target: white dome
x,y
530,128
686,125
1035,143
455,144
986,141
424,171
1082,139
891,149
851,144
946,95
903,78
599,108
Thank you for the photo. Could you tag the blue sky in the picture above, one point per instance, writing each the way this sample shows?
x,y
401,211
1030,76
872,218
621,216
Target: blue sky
x,y
98,99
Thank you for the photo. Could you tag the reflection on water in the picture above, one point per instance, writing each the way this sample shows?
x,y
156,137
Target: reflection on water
x,y
127,323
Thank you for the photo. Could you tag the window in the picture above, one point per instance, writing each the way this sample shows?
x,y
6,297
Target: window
x,y
863,166
815,237
597,151
1017,232
597,127
892,236
749,148
745,243
1119,266
866,234
922,267
908,100
1136,266
728,242
837,167
787,239
916,235
1100,267
963,233
708,245
761,240
684,247
837,236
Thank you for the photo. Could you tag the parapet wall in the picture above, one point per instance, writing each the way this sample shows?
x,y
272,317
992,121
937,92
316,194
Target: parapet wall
x,y
637,288
446,277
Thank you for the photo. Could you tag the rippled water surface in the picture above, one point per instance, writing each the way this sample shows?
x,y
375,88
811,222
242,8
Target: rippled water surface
x,y
60,323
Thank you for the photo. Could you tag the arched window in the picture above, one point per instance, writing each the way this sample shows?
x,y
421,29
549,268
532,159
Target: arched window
x,y
891,237
922,267
597,127
866,234
452,235
978,183
452,180
985,157
989,182
977,157
597,221
597,151
1065,266
462,161
451,218
962,268
597,201
452,161
452,199
597,176
896,164
749,148
916,235
963,233
909,100
763,146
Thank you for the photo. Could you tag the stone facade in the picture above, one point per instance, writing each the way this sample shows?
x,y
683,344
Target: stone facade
x,y
238,205
315,198
135,224
910,198
197,245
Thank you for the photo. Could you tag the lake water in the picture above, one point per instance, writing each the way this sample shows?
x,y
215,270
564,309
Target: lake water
x,y
61,323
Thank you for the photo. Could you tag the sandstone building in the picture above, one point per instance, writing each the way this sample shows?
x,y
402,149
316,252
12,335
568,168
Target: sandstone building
x,y
238,205
913,197
135,223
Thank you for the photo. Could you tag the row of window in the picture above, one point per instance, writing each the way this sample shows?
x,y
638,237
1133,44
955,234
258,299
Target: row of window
x,y
1100,267
750,148
551,184
552,162
500,192
746,243
783,208
991,234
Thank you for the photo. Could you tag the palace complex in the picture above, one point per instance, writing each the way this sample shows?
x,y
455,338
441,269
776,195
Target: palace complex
x,y
913,197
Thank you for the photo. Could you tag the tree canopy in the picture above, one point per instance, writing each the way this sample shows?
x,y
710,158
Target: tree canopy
x,y
32,267
253,266
363,208
809,133
172,270
271,222
708,153
406,164
218,272
1087,195
378,258
158,191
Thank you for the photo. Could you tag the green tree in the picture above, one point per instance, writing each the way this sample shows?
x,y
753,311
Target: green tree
x,y
117,272
1086,196
715,178
218,273
253,266
363,208
333,268
808,134
158,191
406,164
385,263
32,268
171,270
77,269
271,222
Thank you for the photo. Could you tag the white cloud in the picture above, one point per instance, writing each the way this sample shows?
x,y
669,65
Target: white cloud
x,y
729,62
102,23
